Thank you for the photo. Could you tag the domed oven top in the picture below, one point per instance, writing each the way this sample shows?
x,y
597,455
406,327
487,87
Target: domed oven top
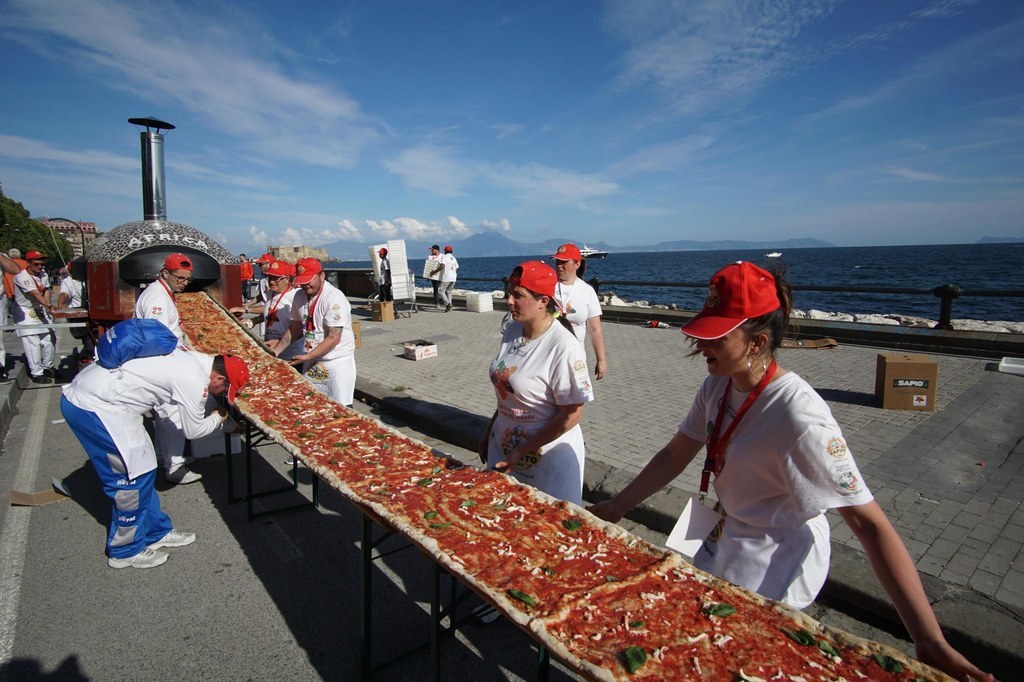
x,y
128,238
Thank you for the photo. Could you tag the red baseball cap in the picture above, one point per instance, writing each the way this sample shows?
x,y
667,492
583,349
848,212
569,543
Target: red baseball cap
x,y
238,375
265,258
306,269
279,268
178,261
35,255
736,293
568,252
448,249
535,276
382,252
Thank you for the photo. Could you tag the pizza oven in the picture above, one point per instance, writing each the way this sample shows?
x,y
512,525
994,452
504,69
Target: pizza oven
x,y
131,255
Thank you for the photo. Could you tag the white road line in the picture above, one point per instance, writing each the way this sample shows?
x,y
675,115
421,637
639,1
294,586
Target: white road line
x,y
14,535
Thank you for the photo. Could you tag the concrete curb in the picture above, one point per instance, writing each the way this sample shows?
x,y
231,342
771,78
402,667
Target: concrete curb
x,y
10,393
987,631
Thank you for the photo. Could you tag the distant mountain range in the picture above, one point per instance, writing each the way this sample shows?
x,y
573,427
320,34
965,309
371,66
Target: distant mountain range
x,y
1001,240
486,244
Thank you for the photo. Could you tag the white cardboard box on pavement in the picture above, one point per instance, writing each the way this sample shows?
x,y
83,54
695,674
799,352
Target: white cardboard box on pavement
x,y
419,349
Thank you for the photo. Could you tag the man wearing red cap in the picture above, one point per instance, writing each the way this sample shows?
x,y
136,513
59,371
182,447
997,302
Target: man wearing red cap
x,y
385,276
104,409
33,308
448,268
157,302
322,317
260,275
277,313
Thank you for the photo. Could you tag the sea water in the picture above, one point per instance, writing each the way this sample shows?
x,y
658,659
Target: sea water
x,y
971,267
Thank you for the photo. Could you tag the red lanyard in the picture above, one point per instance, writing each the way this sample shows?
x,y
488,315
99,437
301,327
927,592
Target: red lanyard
x,y
716,443
166,288
274,306
312,309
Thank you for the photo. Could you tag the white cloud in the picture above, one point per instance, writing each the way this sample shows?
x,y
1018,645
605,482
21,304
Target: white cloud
x,y
33,151
258,236
436,169
346,230
414,228
704,53
199,59
384,228
669,156
433,168
504,225
507,129
539,184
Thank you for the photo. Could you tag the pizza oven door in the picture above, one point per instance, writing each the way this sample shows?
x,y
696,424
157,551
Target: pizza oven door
x,y
143,266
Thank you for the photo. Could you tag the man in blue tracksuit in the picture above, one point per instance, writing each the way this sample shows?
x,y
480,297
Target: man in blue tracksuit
x,y
104,409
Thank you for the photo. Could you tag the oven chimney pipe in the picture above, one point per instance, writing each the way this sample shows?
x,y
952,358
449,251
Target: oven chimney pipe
x,y
154,198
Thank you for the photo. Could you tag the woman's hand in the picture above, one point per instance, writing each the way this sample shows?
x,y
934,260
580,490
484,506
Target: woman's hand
x,y
939,654
600,369
510,461
607,510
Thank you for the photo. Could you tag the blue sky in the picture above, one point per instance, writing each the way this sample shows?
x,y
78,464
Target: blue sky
x,y
866,122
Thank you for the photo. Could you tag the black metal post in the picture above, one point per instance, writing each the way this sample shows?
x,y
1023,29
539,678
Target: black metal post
x,y
946,293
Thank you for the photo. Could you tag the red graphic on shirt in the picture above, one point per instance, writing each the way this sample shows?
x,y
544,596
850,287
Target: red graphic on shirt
x,y
501,378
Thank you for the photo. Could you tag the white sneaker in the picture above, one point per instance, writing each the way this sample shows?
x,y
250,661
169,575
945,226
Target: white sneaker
x,y
147,558
182,476
174,538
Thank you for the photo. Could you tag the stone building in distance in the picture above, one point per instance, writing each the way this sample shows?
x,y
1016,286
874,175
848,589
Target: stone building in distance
x,y
294,253
79,234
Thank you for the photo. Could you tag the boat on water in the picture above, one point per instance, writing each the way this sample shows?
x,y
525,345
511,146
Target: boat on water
x,y
588,252
773,254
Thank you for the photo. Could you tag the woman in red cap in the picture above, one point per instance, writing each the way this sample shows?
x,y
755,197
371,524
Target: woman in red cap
x,y
779,462
578,301
541,383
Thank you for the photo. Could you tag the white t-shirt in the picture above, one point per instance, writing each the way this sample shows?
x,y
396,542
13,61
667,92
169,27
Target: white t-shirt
x,y
157,302
331,309
580,302
27,310
531,380
120,396
785,465
73,288
264,290
451,268
278,313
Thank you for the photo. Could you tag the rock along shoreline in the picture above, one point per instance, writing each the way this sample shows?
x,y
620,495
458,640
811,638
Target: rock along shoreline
x,y
997,326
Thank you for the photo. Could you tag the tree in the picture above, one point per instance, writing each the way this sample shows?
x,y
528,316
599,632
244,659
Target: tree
x,y
19,231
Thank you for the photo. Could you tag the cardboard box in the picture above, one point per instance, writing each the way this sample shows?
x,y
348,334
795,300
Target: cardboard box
x,y
383,311
420,349
904,381
356,332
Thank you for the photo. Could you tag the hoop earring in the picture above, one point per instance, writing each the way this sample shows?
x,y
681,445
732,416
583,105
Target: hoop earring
x,y
750,368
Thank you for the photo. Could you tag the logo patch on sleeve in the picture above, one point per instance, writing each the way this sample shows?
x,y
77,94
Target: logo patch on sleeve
x,y
836,448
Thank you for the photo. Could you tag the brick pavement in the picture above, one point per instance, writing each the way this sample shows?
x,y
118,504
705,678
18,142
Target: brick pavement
x,y
951,480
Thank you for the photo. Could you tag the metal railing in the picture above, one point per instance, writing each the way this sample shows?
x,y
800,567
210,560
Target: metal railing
x,y
946,293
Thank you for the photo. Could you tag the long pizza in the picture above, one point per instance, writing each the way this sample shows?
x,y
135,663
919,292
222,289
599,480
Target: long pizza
x,y
605,602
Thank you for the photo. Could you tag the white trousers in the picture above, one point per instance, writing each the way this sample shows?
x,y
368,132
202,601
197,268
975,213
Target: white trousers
x,y
168,437
39,352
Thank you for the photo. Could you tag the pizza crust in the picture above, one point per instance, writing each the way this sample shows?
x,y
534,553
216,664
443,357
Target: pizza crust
x,y
212,329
